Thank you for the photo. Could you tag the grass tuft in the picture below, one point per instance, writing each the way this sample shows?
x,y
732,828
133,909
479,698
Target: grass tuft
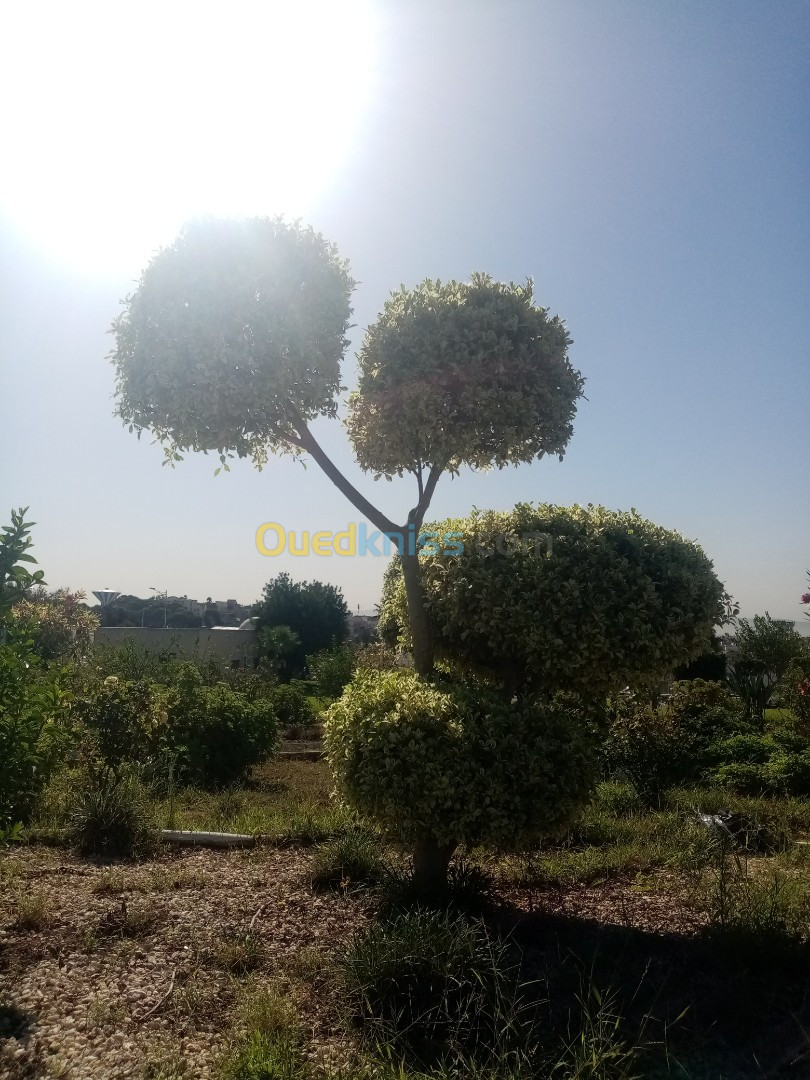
x,y
348,861
32,913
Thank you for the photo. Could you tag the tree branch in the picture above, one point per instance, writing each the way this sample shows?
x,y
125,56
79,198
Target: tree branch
x,y
308,442
417,515
417,472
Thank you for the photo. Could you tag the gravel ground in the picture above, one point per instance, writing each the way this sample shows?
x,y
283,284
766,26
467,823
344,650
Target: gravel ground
x,y
104,969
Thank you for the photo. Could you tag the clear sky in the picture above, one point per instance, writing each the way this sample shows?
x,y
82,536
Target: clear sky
x,y
648,164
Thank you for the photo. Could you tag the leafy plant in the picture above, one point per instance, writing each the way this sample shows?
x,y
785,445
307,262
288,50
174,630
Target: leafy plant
x,y
59,623
31,699
121,719
658,747
15,577
214,733
293,708
33,738
439,764
551,598
332,669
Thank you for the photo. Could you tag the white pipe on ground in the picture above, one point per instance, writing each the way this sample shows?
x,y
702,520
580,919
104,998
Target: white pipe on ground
x,y
191,838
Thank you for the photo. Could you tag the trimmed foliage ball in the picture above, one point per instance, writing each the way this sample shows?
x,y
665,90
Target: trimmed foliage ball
x,y
578,599
456,764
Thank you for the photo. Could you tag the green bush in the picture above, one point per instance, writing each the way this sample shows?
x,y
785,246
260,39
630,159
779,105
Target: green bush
x,y
214,734
332,669
581,598
293,708
33,736
643,746
795,689
456,764
777,763
122,719
112,817
659,747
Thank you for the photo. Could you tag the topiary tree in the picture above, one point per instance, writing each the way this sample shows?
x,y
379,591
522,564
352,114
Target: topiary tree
x,y
550,599
442,763
232,344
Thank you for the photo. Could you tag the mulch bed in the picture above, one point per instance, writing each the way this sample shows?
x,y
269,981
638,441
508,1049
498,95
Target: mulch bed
x,y
116,975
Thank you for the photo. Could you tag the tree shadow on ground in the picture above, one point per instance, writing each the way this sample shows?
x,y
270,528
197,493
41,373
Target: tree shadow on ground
x,y
14,1023
721,1012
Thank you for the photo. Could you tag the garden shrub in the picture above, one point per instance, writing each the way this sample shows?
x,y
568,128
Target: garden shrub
x,y
332,669
795,690
582,598
644,747
214,734
211,735
293,708
456,763
60,624
777,763
121,719
658,747
33,737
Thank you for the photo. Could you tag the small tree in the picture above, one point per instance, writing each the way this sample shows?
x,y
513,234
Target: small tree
x,y
314,612
232,344
763,650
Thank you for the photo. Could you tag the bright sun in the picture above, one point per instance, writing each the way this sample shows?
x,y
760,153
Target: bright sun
x,y
124,120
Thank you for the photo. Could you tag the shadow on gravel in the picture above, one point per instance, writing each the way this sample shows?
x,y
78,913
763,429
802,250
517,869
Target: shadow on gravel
x,y
14,1023
722,1011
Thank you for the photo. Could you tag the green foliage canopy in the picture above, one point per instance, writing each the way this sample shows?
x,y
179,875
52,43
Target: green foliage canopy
x,y
579,599
462,373
235,332
456,763
316,614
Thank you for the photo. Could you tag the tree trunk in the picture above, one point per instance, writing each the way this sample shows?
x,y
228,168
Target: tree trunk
x,y
421,638
430,864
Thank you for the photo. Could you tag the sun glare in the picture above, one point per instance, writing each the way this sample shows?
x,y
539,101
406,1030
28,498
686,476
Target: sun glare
x,y
122,121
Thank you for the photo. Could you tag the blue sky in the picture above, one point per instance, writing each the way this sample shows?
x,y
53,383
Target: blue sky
x,y
645,163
